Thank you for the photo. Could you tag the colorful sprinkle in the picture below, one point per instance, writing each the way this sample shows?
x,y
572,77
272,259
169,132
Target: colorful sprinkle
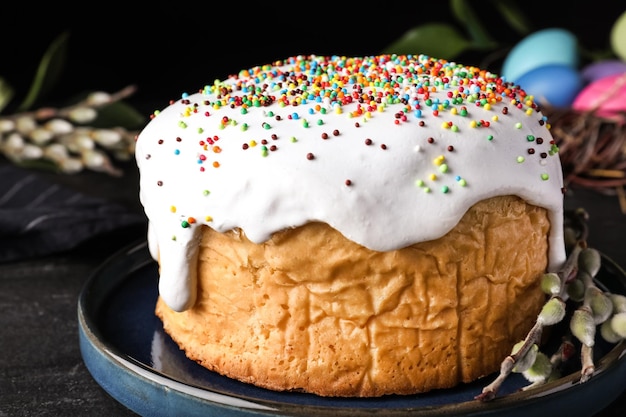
x,y
439,160
406,88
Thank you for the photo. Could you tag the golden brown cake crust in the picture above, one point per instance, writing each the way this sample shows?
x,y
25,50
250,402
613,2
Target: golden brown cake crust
x,y
310,310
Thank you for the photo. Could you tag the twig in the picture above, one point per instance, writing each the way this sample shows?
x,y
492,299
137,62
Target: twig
x,y
592,149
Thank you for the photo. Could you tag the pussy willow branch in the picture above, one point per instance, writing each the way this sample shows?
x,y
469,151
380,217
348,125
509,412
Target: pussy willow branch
x,y
45,113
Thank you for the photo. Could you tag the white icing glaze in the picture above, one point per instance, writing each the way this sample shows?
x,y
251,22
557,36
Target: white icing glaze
x,y
396,196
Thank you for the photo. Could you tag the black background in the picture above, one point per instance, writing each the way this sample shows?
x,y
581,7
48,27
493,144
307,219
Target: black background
x,y
169,47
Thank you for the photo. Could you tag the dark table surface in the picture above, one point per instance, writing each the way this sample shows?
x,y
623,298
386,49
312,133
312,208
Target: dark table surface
x,y
41,369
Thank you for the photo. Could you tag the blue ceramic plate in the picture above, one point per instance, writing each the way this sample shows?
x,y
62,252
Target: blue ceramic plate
x,y
125,349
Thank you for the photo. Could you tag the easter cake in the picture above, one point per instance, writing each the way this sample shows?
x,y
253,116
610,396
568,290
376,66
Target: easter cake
x,y
351,226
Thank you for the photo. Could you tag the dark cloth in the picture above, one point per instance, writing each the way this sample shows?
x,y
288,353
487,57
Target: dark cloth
x,y
39,217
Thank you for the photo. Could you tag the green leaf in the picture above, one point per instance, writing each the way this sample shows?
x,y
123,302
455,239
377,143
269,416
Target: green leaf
x,y
437,40
510,11
119,114
6,94
48,72
466,15
38,164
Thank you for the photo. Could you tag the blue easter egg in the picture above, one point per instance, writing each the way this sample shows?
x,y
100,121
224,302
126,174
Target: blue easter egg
x,y
541,48
556,85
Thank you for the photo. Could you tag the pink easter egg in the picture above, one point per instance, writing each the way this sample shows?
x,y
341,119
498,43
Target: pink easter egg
x,y
607,96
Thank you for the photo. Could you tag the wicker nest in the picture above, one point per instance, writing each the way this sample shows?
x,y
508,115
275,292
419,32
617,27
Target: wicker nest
x,y
592,150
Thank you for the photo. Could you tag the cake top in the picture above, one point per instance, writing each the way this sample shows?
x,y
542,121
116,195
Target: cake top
x,y
389,150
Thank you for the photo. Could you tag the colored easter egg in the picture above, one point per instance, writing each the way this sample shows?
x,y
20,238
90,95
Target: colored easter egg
x,y
601,69
618,36
556,85
544,47
607,96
